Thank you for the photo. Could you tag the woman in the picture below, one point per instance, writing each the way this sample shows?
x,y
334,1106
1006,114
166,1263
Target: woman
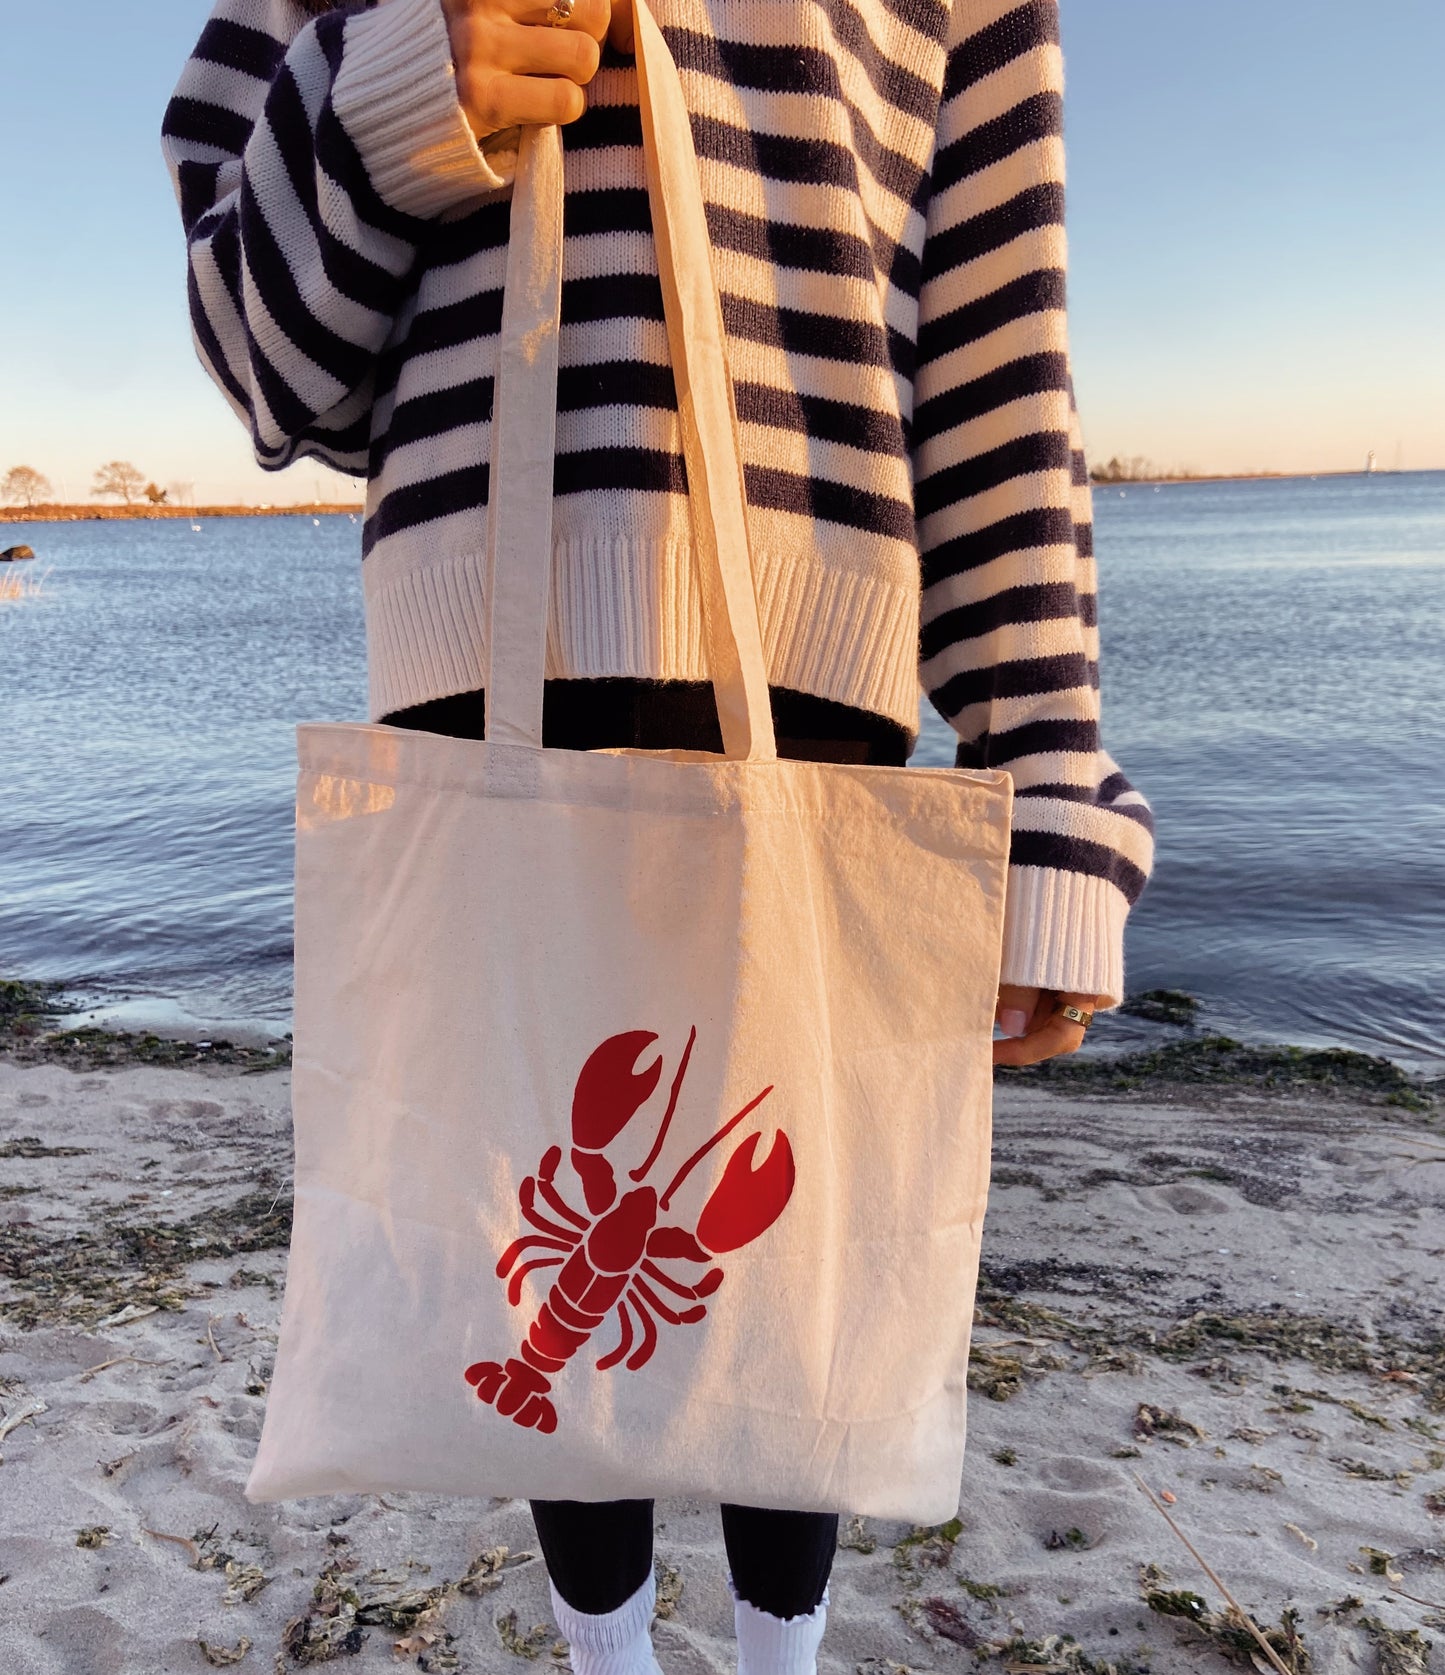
x,y
884,189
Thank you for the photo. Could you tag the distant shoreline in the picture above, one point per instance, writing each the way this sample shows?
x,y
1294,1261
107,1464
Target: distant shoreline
x,y
105,514
50,513
1238,477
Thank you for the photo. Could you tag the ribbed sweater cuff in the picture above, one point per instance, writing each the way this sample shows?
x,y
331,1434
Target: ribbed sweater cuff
x,y
1064,930
396,96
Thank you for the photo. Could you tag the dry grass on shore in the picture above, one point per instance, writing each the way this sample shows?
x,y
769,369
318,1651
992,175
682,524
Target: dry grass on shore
x,y
49,513
16,585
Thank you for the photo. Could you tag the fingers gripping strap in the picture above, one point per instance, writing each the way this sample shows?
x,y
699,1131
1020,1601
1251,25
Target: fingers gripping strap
x,y
519,531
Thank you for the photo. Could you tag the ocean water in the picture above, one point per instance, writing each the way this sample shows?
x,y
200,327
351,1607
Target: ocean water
x,y
1272,672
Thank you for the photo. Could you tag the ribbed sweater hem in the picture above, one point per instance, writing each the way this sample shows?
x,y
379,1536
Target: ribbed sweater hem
x,y
622,606
1065,931
396,96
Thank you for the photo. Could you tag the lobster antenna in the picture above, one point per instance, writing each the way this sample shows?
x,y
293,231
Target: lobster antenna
x,y
651,1158
707,1146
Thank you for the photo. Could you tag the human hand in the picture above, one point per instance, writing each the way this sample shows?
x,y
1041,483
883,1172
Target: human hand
x,y
514,67
1045,1034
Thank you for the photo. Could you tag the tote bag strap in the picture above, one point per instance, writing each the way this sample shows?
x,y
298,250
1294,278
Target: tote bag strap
x,y
524,429
524,417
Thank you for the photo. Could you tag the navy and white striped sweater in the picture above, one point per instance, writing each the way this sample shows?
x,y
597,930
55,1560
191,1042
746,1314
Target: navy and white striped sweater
x,y
884,190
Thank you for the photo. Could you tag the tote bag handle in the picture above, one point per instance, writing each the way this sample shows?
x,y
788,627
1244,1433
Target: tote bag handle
x,y
524,423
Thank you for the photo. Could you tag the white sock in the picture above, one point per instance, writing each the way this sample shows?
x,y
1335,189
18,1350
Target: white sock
x,y
610,1642
769,1645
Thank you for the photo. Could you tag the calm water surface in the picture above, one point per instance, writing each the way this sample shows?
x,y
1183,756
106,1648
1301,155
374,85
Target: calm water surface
x,y
1272,679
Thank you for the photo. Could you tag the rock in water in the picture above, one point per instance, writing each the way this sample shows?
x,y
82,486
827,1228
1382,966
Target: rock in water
x,y
12,553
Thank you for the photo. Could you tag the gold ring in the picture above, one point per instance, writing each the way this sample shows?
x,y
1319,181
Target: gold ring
x,y
1075,1015
559,13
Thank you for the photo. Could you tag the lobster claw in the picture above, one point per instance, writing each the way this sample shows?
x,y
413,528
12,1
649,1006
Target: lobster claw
x,y
746,1201
610,1091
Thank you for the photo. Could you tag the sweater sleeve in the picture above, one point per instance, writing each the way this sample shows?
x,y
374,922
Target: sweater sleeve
x,y
309,157
1010,642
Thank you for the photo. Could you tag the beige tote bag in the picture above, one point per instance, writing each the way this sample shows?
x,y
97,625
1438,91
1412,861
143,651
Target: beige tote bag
x,y
642,1099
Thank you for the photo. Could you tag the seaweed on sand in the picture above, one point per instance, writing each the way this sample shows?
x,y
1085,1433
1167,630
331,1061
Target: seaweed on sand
x,y
1225,1629
940,1617
855,1536
982,1590
1324,1342
669,1591
928,1545
87,1274
530,1644
97,1049
993,1373
1151,1422
31,1146
222,1657
328,1627
1369,1473
1382,1563
1073,1538
1234,1641
343,1606
1332,1345
26,1009
30,1011
1400,1651
1220,1059
1162,1006
1058,1654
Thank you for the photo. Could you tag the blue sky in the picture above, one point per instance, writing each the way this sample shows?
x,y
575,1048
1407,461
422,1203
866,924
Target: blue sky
x,y
1256,216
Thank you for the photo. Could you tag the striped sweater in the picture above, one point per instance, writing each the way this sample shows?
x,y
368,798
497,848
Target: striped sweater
x,y
884,192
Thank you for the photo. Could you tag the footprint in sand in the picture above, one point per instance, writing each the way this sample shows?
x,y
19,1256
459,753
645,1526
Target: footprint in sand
x,y
1073,1492
1189,1200
1076,1473
241,1416
87,1642
136,1462
189,1110
127,1419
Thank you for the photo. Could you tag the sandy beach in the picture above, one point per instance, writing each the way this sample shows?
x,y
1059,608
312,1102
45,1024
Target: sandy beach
x,y
1229,1291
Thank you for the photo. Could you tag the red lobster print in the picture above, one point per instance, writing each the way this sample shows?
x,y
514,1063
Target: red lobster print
x,y
615,1255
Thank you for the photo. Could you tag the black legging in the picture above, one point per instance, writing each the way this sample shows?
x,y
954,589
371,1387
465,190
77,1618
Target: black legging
x,y
599,1553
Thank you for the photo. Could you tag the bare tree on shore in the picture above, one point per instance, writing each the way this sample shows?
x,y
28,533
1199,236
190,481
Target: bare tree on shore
x,y
1134,470
23,485
121,479
181,494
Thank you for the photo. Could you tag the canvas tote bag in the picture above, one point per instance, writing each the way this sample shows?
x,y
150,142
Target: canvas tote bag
x,y
642,1099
